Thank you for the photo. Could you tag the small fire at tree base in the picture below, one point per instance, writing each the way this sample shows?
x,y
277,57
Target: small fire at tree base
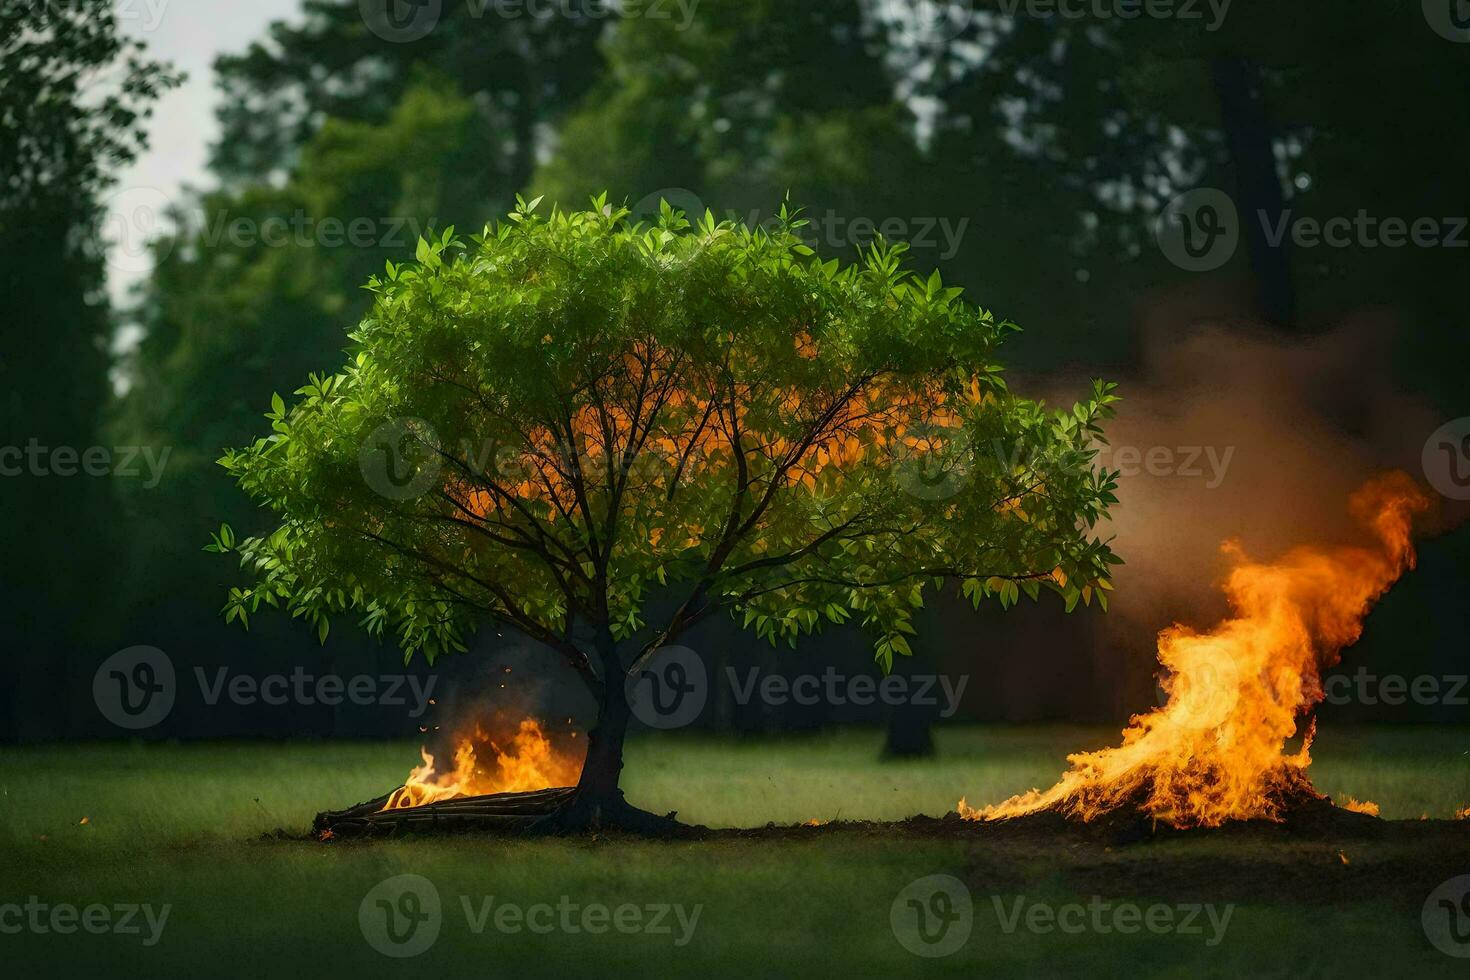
x,y
1215,752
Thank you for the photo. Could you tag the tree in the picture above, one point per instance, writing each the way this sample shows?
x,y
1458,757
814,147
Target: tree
x,y
522,68
74,95
583,414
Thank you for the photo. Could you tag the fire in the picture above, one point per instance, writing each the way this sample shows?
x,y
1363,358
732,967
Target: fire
x,y
529,762
1215,751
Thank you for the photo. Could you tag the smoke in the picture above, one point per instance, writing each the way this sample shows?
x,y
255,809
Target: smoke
x,y
1230,433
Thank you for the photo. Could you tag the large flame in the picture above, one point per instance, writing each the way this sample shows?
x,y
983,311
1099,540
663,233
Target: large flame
x,y
527,761
1215,751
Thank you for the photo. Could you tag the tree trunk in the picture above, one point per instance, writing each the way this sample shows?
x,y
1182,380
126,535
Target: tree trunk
x,y
598,803
1249,138
603,767
910,725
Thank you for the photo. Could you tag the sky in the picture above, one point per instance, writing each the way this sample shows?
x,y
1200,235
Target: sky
x,y
189,33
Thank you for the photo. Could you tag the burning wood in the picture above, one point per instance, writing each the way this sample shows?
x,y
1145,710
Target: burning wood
x,y
1216,750
500,812
524,762
529,778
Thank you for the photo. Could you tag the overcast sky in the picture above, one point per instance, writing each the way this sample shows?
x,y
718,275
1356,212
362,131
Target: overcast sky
x,y
189,33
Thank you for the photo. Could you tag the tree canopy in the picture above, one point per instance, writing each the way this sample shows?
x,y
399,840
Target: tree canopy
x,y
573,412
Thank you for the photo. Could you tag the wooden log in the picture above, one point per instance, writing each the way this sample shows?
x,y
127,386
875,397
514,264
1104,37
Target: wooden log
x,y
500,811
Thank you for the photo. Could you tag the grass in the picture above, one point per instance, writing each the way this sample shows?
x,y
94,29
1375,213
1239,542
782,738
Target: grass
x,y
185,825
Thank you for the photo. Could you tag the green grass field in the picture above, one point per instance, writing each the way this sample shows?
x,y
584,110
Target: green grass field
x,y
186,825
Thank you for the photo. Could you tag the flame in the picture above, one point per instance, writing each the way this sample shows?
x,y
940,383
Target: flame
x,y
1215,750
531,762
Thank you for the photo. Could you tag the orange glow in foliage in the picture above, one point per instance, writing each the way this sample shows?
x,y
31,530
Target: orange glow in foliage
x,y
526,761
698,432
1215,750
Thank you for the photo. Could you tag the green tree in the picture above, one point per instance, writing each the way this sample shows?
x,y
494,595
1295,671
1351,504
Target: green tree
x,y
258,281
582,415
74,95
521,68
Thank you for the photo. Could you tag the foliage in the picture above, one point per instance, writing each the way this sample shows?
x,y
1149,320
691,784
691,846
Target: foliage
x,y
74,97
571,414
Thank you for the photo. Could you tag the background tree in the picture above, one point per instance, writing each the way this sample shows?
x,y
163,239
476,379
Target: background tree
x,y
1056,140
582,414
74,98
